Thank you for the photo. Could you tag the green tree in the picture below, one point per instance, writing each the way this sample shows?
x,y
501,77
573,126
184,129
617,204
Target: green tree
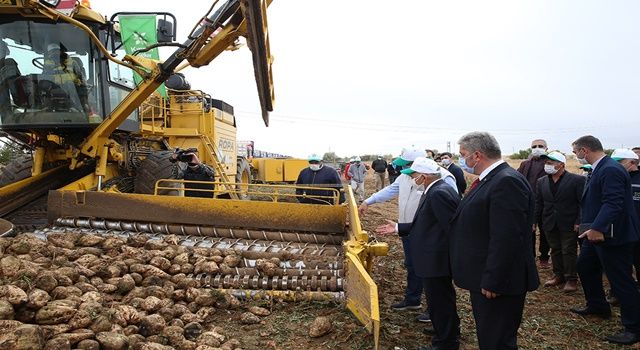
x,y
330,157
6,154
521,154
8,151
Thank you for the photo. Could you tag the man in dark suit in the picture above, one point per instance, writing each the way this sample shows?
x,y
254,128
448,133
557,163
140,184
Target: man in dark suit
x,y
533,169
558,211
611,231
429,235
491,254
447,162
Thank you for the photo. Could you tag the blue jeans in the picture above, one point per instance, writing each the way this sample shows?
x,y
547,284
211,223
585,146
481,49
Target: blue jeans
x,y
413,293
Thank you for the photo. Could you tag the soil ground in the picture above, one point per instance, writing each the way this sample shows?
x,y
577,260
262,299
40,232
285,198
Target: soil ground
x,y
547,324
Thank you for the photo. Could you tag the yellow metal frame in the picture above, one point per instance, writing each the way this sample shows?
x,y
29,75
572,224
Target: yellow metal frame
x,y
275,191
260,215
90,181
362,291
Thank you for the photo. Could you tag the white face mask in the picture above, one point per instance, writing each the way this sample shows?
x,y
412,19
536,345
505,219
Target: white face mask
x,y
446,161
537,152
550,169
415,184
314,167
583,160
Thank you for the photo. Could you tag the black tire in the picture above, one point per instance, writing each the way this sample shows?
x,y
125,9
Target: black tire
x,y
16,170
154,167
243,177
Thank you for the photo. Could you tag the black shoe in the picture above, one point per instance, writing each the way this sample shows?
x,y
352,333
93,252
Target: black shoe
x,y
624,338
404,305
429,331
584,311
613,301
424,318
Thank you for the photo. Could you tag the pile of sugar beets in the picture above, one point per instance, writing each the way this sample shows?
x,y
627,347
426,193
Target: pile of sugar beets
x,y
85,291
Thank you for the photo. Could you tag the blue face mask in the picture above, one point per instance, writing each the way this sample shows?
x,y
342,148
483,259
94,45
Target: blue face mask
x,y
465,167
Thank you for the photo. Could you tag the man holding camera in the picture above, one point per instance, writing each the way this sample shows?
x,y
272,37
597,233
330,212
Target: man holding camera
x,y
194,170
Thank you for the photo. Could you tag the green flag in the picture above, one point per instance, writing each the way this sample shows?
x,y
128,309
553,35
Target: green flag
x,y
138,32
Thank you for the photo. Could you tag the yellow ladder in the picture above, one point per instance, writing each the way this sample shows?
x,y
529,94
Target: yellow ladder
x,y
213,151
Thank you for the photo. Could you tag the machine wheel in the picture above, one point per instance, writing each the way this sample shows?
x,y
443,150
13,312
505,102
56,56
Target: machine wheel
x,y
16,170
243,177
154,167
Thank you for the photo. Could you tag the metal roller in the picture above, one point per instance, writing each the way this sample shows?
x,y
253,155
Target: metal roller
x,y
264,249
286,295
193,230
303,283
250,271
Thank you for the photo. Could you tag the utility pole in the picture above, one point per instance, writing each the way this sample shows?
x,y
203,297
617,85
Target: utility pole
x,y
449,146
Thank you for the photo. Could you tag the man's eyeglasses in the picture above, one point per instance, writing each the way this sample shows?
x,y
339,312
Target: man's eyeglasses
x,y
537,146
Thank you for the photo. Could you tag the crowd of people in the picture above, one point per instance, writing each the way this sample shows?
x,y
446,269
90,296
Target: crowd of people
x,y
482,237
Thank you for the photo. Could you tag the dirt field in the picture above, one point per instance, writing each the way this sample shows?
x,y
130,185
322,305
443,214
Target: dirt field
x,y
547,323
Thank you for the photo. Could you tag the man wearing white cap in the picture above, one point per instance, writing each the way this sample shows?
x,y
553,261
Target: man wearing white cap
x,y
558,197
629,160
358,173
318,175
408,194
346,169
429,235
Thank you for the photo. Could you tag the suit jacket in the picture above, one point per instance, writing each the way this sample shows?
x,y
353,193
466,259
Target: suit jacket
x,y
607,203
461,182
532,169
491,235
429,231
562,210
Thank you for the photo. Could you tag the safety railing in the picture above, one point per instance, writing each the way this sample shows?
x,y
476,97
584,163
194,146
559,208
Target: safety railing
x,y
155,110
265,192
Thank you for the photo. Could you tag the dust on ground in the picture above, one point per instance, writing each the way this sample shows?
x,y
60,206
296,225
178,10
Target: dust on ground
x,y
547,323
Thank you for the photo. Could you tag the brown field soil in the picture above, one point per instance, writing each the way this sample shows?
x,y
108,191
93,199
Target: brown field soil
x,y
547,323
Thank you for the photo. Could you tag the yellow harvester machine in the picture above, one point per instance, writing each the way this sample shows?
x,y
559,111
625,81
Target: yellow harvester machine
x,y
99,148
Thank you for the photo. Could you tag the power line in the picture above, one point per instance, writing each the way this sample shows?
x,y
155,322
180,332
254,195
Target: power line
x,y
414,129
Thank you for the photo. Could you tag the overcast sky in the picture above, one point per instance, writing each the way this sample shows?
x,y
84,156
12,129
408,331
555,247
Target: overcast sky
x,y
358,76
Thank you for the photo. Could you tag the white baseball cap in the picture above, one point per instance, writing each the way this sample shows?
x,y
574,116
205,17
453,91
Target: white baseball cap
x,y
314,157
357,159
623,153
422,165
555,155
409,155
